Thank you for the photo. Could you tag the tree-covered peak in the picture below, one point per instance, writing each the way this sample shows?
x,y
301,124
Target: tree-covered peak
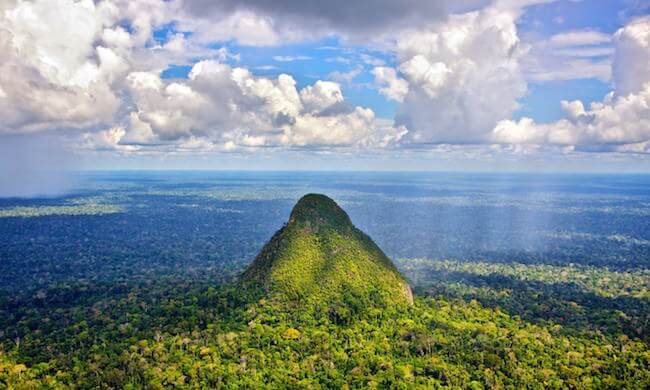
x,y
320,257
318,210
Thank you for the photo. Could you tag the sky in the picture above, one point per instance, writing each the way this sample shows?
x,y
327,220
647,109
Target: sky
x,y
539,85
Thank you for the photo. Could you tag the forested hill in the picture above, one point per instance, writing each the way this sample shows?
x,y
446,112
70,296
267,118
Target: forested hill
x,y
319,257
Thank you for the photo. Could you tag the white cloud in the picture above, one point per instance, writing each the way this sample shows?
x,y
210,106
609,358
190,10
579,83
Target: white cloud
x,y
245,26
519,4
291,58
570,55
320,96
632,59
266,67
53,74
118,37
579,38
586,52
100,75
106,140
390,84
140,132
370,60
60,51
430,76
455,71
621,120
229,108
63,63
342,129
558,68
457,79
346,77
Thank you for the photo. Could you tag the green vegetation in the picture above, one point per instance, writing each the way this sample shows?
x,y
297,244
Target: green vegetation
x,y
584,300
323,307
597,280
319,256
171,333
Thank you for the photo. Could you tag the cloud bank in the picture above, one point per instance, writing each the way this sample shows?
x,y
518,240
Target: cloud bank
x,y
91,72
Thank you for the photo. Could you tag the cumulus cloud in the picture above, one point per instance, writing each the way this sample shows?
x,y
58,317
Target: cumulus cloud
x,y
93,70
52,74
617,120
621,122
390,84
103,78
454,72
106,78
632,58
230,107
320,96
347,77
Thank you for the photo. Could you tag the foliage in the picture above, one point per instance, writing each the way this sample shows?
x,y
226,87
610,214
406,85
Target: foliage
x,y
319,257
550,290
598,280
206,337
582,299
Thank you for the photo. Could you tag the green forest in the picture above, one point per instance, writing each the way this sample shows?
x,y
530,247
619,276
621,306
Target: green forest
x,y
323,307
173,333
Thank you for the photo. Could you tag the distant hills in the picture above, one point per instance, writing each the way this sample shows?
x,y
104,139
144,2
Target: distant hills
x,y
319,257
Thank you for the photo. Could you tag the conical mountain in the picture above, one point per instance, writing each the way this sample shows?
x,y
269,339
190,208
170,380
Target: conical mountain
x,y
320,256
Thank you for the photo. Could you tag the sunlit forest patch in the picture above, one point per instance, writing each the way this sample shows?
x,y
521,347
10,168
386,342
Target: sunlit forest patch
x,y
600,281
583,300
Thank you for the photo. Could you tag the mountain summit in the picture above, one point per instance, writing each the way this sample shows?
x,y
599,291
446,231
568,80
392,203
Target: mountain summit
x,y
319,256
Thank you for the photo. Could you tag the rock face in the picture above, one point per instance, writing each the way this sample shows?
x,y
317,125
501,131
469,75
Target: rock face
x,y
319,256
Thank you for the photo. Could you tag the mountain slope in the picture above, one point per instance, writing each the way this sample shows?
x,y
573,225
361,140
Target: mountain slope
x,y
319,256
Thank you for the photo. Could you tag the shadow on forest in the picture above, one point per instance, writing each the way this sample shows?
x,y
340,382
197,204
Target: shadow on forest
x,y
566,304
